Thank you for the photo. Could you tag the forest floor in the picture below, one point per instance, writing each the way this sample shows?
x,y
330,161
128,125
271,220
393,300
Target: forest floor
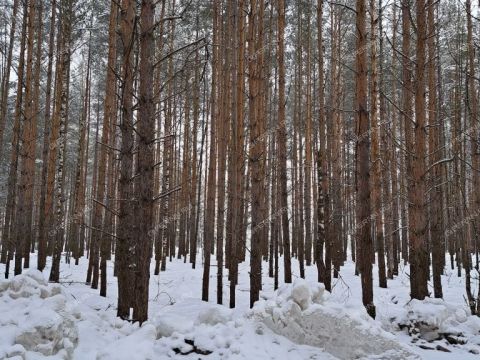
x,y
40,320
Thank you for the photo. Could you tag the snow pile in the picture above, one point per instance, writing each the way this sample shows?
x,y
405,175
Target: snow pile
x,y
193,329
302,313
434,319
37,319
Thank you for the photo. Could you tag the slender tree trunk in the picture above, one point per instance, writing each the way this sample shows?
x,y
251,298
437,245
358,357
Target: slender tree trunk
x,y
308,149
376,181
336,146
62,114
418,239
144,185
257,144
475,155
322,166
282,143
99,239
396,230
435,153
30,242
194,205
222,121
42,235
208,234
363,211
125,189
6,76
79,186
9,222
27,153
236,143
407,126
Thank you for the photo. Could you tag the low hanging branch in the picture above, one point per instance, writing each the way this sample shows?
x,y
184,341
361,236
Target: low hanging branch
x,y
343,5
177,51
106,208
440,162
102,231
108,146
167,193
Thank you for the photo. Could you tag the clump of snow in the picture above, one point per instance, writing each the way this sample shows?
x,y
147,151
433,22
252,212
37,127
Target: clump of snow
x,y
303,314
16,351
301,294
44,326
214,315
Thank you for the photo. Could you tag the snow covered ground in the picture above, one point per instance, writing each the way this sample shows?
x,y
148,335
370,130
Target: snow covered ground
x,y
300,321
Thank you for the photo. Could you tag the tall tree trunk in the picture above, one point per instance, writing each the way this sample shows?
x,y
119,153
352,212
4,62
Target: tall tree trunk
x,y
6,76
395,210
236,144
308,148
80,171
209,229
435,155
282,143
257,144
407,125
193,203
418,224
42,235
27,154
53,149
125,188
9,222
335,134
30,243
376,181
99,239
144,175
222,120
363,211
322,166
66,7
475,155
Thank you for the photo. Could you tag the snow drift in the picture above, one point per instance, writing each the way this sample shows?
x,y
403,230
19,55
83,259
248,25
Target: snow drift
x,y
303,314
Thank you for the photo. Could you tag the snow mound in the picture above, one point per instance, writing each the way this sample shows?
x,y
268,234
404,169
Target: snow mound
x,y
37,320
434,319
183,320
32,283
302,313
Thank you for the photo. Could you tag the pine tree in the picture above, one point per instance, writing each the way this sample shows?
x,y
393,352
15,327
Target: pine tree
x,y
125,224
61,112
364,241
